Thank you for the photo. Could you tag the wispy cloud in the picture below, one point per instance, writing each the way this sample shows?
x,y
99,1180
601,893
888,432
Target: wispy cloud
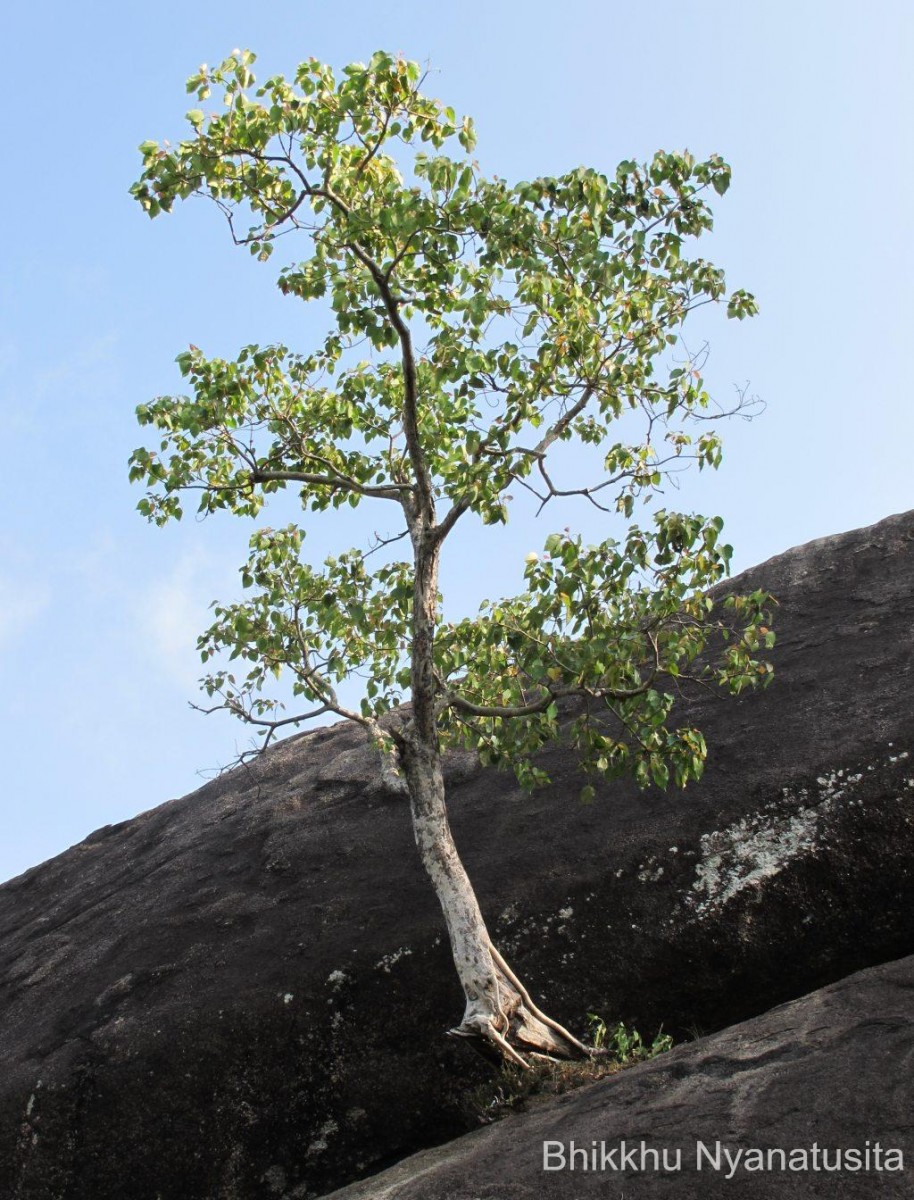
x,y
89,375
89,371
173,613
21,604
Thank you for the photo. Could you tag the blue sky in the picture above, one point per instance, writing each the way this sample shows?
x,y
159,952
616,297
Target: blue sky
x,y
99,612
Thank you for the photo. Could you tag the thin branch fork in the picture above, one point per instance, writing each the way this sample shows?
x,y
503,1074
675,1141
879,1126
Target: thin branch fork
x,y
237,709
588,492
538,452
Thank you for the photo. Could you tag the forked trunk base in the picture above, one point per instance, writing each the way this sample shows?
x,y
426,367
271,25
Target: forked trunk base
x,y
517,1027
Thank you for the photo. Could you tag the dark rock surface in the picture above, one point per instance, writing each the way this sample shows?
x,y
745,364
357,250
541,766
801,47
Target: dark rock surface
x,y
241,993
833,1070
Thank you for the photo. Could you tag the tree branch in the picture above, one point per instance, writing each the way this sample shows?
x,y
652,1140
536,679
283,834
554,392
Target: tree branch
x,y
424,493
237,709
336,482
460,704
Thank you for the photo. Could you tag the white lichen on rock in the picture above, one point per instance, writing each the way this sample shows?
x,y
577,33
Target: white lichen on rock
x,y
760,846
319,1145
650,871
384,964
752,849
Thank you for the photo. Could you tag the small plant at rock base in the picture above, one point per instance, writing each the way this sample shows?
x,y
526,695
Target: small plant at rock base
x,y
624,1045
615,1048
597,1030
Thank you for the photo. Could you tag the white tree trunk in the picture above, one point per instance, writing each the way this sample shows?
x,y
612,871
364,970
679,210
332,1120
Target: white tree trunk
x,y
499,1012
500,1017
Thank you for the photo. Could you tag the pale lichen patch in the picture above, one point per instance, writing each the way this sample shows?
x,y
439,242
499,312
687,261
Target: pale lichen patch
x,y
748,851
760,846
384,964
319,1145
650,871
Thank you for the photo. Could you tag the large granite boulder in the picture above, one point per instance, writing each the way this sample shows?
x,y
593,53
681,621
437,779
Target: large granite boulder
x,y
242,993
815,1098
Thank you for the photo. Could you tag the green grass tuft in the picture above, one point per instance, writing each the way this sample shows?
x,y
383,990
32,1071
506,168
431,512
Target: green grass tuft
x,y
515,1090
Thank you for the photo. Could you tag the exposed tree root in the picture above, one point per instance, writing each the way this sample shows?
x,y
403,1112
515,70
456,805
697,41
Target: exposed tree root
x,y
517,1029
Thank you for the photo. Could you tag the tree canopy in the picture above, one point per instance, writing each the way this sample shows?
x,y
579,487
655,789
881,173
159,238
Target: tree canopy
x,y
475,324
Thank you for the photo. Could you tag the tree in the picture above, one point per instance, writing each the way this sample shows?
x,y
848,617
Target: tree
x,y
475,326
